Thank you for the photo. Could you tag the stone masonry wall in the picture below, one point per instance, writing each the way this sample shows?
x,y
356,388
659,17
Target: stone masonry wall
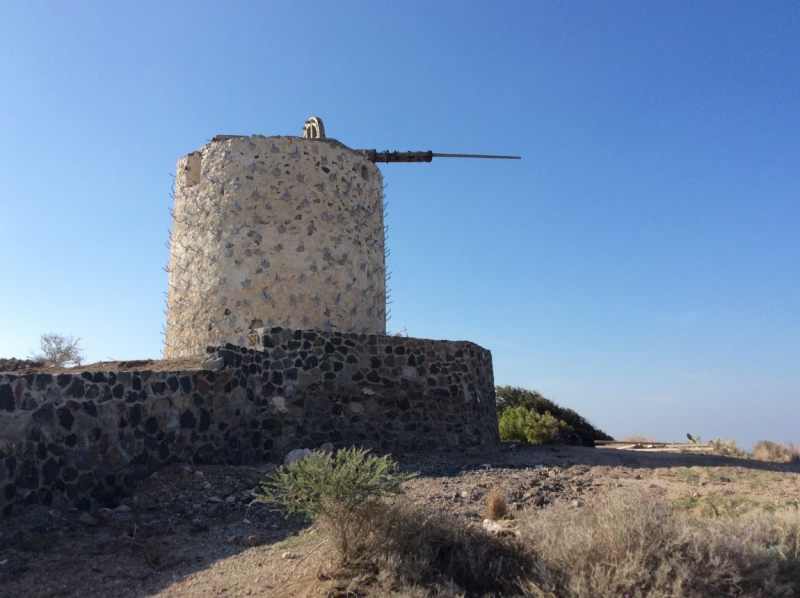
x,y
87,438
274,231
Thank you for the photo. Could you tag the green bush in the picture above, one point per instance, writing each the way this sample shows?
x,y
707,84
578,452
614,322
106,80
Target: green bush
x,y
520,424
337,489
510,396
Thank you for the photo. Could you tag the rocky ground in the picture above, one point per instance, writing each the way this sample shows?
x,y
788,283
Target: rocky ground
x,y
195,531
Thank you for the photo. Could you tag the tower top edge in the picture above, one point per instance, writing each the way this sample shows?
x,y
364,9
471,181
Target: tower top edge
x,y
328,140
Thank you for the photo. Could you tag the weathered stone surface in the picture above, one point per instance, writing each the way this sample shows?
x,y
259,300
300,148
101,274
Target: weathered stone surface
x,y
7,402
283,231
213,363
303,390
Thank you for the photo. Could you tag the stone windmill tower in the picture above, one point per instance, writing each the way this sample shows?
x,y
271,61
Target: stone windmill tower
x,y
274,231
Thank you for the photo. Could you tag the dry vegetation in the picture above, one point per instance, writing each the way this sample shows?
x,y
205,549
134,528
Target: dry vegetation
x,y
58,350
766,450
411,550
567,521
624,545
496,507
628,543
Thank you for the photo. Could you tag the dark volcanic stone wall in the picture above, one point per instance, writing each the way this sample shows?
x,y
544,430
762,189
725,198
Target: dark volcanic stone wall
x,y
88,438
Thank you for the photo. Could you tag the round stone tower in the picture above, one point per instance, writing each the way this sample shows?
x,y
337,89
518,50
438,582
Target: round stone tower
x,y
274,231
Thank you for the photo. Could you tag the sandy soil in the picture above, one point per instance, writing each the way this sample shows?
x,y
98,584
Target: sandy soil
x,y
195,532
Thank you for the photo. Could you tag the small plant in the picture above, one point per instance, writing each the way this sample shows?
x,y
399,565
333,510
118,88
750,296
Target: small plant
x,y
59,350
338,489
693,439
496,507
520,424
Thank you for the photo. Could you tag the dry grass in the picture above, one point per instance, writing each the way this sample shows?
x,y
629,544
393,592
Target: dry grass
x,y
766,450
496,506
627,544
794,453
630,545
410,551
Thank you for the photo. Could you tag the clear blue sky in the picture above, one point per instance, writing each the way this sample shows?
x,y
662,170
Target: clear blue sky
x,y
641,264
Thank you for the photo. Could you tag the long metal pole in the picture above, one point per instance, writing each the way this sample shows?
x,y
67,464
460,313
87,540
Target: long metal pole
x,y
476,156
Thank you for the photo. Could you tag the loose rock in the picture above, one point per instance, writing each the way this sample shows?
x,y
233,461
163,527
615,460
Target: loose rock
x,y
105,514
213,363
88,520
494,526
296,456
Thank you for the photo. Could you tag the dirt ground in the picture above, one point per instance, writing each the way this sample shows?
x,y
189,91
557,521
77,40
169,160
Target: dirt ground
x,y
194,531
